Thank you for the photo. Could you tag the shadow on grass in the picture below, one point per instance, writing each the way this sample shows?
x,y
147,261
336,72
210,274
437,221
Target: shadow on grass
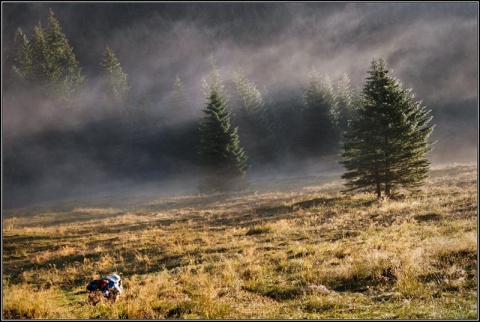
x,y
339,235
357,284
17,239
277,292
257,215
428,217
315,203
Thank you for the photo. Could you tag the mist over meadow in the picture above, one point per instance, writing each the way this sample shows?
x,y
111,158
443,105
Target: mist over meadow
x,y
51,151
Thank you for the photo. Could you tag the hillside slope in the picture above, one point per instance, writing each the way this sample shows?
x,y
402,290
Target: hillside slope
x,y
300,250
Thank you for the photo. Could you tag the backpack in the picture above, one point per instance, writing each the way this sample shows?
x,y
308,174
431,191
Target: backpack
x,y
97,284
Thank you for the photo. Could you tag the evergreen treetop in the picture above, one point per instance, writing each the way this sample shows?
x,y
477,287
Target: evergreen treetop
x,y
115,80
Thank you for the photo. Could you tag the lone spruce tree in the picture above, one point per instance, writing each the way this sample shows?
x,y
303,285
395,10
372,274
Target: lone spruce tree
x,y
223,160
386,145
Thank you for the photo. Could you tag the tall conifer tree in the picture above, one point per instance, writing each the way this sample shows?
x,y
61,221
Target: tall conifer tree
x,y
344,107
115,80
23,60
386,145
319,100
222,157
256,126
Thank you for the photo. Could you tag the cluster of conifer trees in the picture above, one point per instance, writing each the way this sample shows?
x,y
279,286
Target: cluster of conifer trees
x,y
380,132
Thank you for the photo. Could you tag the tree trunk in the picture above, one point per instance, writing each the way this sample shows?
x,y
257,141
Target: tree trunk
x,y
379,190
387,190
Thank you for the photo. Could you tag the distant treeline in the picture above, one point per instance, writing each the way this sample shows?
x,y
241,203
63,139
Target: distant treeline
x,y
126,134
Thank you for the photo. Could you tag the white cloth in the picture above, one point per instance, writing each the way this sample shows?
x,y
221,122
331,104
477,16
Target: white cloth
x,y
114,282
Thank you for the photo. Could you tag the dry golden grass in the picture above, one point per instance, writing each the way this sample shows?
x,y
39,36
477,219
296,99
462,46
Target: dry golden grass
x,y
298,252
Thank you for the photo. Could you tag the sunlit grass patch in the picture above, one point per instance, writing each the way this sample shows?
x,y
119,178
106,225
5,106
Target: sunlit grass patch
x,y
24,301
272,254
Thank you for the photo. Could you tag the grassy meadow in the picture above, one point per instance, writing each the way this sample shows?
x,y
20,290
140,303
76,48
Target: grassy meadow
x,y
296,248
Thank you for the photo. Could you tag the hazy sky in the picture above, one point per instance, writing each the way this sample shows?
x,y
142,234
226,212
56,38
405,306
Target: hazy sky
x,y
431,47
